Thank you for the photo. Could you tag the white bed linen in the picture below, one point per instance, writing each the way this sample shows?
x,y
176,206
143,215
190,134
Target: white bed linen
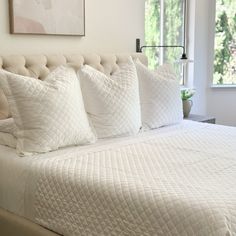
x,y
177,180
14,170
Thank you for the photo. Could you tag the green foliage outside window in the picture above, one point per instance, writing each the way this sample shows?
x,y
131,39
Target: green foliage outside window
x,y
152,30
172,31
225,43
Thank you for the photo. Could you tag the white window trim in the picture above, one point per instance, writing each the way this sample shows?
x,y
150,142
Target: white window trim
x,y
221,86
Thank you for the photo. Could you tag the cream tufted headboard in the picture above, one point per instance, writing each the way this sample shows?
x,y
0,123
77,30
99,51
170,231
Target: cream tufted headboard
x,y
39,66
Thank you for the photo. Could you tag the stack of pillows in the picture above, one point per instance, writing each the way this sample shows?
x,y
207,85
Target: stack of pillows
x,y
75,108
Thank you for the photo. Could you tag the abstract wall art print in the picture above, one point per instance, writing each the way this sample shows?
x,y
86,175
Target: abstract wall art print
x,y
56,17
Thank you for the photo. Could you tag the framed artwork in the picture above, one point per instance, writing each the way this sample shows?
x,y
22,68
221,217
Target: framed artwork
x,y
55,17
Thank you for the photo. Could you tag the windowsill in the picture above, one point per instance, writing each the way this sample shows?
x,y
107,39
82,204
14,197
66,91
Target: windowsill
x,y
183,87
223,86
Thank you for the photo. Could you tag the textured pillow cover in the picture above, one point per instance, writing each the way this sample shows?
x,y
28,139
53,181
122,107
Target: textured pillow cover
x,y
8,126
4,109
7,132
48,114
7,139
160,98
112,102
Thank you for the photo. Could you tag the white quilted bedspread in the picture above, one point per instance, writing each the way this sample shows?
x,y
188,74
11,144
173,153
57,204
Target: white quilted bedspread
x,y
178,182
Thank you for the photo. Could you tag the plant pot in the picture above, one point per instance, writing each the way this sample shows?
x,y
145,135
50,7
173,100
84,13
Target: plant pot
x,y
187,105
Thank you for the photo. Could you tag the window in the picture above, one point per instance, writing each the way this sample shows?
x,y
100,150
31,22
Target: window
x,y
164,25
225,43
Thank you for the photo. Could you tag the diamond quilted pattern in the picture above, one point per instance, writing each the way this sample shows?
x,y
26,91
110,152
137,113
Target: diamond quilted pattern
x,y
48,114
112,102
160,96
173,183
7,126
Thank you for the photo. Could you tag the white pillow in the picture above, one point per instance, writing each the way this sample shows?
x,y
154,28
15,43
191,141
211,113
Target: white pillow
x,y
48,114
112,102
8,126
7,132
161,102
4,108
7,139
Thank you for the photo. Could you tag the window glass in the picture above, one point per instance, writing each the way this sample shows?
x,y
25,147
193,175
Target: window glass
x,y
225,43
164,21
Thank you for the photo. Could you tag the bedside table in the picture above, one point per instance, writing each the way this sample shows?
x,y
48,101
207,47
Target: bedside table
x,y
204,119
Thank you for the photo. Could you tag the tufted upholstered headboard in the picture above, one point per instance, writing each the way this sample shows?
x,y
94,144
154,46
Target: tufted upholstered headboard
x,y
39,66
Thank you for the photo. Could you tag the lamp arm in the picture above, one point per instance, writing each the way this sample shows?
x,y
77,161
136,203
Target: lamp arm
x,y
140,49
161,46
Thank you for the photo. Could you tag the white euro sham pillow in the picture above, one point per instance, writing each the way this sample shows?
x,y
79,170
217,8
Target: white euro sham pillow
x,y
7,132
8,126
4,108
112,102
48,114
160,97
7,139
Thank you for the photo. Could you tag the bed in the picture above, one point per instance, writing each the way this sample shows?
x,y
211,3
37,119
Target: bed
x,y
175,180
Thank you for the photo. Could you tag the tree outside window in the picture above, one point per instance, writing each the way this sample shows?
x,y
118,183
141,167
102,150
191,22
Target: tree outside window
x,y
164,21
225,43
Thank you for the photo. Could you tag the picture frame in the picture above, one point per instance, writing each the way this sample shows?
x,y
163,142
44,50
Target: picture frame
x,y
47,17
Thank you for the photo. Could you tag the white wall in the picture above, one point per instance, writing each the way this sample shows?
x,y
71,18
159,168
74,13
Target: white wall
x,y
199,50
221,104
111,26
218,102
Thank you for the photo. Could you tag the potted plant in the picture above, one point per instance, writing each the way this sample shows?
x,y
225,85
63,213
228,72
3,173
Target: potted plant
x,y
186,94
